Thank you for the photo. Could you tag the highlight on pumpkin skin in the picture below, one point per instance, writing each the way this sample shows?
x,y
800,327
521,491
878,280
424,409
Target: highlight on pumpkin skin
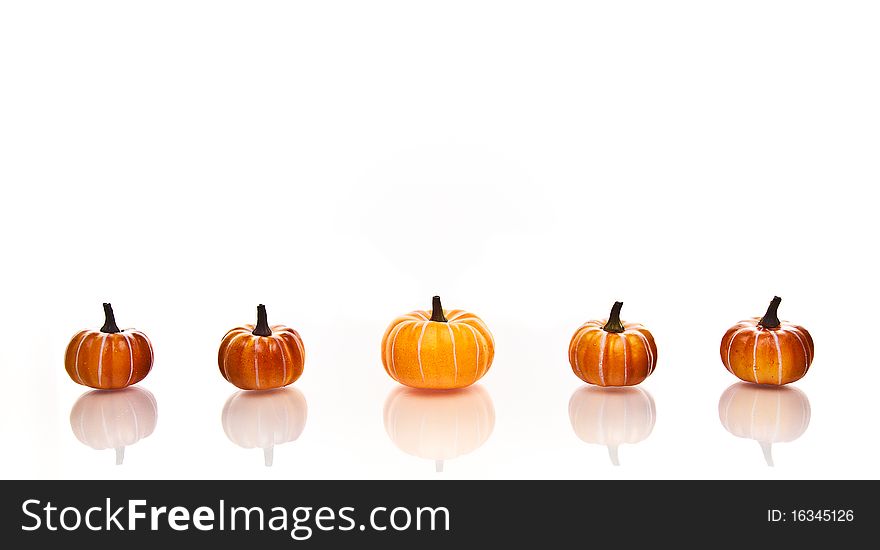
x,y
438,349
766,414
114,419
108,358
612,416
260,356
264,420
611,352
765,350
439,426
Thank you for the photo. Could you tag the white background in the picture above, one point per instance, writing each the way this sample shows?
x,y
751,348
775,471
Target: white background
x,y
531,162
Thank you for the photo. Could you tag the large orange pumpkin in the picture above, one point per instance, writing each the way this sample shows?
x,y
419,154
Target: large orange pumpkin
x,y
260,357
765,350
611,352
109,358
437,349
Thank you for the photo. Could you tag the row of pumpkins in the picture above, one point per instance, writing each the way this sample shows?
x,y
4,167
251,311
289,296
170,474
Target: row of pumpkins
x,y
444,349
440,426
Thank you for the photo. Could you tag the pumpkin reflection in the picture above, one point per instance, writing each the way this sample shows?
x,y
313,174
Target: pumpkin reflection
x,y
612,416
767,414
262,420
114,419
439,425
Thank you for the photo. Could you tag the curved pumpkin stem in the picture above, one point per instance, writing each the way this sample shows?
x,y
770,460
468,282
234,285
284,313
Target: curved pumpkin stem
x,y
109,321
120,455
771,318
614,324
262,328
437,311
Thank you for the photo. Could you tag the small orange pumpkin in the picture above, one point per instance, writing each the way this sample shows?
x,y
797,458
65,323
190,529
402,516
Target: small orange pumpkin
x,y
109,358
611,352
437,349
765,350
260,357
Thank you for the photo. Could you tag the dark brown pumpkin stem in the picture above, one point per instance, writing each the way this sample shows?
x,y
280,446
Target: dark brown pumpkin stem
x,y
262,328
109,321
614,324
437,311
771,318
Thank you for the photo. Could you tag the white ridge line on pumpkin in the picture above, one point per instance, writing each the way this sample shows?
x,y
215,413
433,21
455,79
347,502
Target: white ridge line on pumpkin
x,y
577,347
397,328
226,356
490,353
388,352
256,340
623,339
299,345
477,346
281,349
778,356
419,349
454,358
730,347
602,357
458,315
147,340
101,358
130,359
84,334
803,347
484,332
649,353
804,332
755,356
591,324
643,340
482,324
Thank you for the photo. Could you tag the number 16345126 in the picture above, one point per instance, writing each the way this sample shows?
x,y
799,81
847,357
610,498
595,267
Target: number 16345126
x,y
810,515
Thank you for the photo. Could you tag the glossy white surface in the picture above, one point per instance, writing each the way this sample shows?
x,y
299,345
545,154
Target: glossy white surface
x,y
342,162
